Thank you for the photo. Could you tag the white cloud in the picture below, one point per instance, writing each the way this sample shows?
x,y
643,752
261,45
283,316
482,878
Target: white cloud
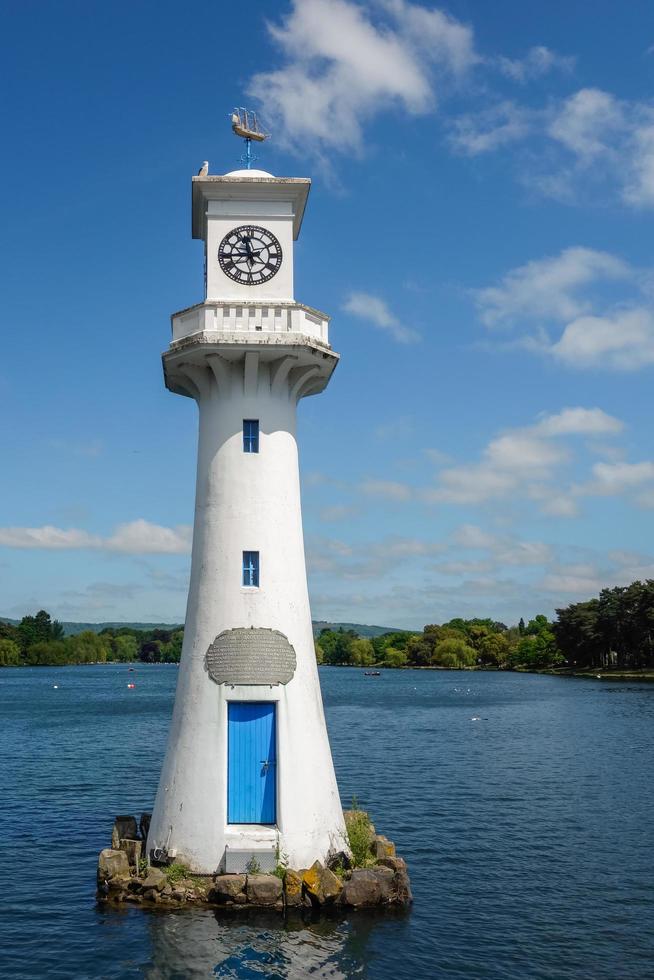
x,y
549,288
586,123
579,421
142,537
388,489
639,185
612,479
135,537
376,311
475,133
569,289
589,144
505,550
329,556
570,585
538,61
525,462
470,484
49,537
342,67
471,536
523,452
623,341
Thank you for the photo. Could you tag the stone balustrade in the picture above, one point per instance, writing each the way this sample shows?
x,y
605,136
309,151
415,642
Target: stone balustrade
x,y
230,318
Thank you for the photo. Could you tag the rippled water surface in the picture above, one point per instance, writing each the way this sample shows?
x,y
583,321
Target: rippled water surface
x,y
529,832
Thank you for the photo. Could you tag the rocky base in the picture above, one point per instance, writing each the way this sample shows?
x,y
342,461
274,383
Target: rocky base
x,y
124,877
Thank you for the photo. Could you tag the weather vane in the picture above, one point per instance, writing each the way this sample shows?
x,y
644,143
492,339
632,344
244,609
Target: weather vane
x,y
246,125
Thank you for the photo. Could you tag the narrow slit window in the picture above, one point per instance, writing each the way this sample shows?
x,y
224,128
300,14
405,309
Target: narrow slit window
x,y
250,435
251,569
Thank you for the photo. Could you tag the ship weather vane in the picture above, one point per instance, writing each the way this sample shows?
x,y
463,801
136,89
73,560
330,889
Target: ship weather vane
x,y
246,125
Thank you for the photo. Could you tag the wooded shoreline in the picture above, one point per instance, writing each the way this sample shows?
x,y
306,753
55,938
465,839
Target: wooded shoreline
x,y
609,636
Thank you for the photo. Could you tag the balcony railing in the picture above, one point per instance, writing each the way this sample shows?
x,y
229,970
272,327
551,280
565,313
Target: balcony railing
x,y
251,318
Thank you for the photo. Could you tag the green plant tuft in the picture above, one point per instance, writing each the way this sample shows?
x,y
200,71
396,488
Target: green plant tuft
x,y
360,833
176,872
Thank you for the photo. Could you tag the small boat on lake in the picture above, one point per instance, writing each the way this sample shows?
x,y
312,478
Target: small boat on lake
x,y
372,673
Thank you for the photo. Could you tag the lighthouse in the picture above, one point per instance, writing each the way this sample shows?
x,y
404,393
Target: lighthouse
x,y
248,778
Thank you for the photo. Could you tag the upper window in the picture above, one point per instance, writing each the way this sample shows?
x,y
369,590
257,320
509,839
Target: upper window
x,y
250,435
251,568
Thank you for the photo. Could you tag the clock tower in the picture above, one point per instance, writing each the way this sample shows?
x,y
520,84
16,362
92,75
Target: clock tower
x,y
248,775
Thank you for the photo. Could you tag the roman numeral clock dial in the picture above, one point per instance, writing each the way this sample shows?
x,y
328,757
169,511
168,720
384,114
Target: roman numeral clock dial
x,y
250,255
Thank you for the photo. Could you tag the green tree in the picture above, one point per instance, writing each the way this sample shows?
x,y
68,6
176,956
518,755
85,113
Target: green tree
x,y
494,649
171,652
361,652
394,657
454,652
336,645
48,653
9,653
88,648
124,648
38,629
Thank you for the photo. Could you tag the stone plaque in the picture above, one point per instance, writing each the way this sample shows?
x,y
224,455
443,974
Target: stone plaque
x,y
250,656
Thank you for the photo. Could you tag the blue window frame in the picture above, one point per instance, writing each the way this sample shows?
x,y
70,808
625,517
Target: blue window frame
x,y
250,435
251,568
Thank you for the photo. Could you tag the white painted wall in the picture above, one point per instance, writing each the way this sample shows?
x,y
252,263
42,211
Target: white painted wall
x,y
246,502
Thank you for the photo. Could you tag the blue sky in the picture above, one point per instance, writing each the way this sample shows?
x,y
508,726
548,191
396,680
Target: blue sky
x,y
479,228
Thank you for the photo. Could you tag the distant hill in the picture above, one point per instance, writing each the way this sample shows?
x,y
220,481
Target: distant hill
x,y
72,629
357,628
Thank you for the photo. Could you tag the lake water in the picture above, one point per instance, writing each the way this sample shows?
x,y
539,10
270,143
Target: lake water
x,y
529,833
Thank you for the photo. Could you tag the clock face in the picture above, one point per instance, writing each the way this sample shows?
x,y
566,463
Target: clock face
x,y
250,255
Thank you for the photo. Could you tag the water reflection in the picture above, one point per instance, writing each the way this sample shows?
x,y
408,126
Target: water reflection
x,y
191,944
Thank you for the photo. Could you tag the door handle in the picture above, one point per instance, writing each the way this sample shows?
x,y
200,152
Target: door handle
x,y
265,764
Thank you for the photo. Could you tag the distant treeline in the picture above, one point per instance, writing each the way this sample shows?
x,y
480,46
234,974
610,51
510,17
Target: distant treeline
x,y
614,630
40,641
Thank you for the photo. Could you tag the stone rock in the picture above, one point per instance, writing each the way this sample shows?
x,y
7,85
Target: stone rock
x,y
112,863
151,895
124,828
132,849
229,888
362,890
395,863
339,860
382,847
179,894
386,879
202,887
293,887
155,879
118,883
144,825
321,884
402,888
263,889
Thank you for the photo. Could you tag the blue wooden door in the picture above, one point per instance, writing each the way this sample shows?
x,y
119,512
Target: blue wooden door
x,y
251,762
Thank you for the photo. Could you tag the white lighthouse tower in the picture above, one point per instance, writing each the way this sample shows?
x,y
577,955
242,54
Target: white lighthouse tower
x,y
248,773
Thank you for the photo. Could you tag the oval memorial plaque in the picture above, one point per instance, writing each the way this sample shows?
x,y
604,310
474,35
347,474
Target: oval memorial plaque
x,y
250,656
